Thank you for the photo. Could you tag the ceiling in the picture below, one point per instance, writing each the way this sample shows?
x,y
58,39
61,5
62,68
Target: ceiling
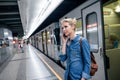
x,y
65,7
113,4
60,11
10,16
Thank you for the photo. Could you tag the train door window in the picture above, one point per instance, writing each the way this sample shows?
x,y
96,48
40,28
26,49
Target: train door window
x,y
48,37
92,31
43,34
39,38
107,33
51,36
79,27
57,37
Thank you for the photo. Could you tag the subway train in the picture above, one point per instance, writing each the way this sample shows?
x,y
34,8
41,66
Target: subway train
x,y
100,25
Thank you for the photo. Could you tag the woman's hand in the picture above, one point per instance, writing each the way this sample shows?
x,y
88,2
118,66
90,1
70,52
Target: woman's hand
x,y
82,78
64,39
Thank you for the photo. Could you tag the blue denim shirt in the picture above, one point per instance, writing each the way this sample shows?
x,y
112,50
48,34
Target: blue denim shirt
x,y
78,64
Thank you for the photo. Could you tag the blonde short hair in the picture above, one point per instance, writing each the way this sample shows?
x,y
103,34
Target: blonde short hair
x,y
71,21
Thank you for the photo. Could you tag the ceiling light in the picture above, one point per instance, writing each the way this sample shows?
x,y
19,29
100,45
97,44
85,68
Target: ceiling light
x,y
41,13
117,9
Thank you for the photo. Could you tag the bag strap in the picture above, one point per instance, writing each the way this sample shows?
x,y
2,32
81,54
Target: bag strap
x,y
91,54
81,44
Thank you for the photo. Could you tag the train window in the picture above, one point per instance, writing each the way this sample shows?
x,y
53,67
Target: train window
x,y
57,37
4,43
79,27
43,40
48,37
39,38
107,31
92,31
51,35
112,36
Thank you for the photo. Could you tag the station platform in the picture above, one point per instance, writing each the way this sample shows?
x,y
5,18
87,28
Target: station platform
x,y
30,65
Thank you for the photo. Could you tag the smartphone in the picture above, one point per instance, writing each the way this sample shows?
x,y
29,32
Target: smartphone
x,y
64,36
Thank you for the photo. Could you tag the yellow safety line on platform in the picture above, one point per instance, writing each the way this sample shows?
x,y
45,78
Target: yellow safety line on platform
x,y
52,69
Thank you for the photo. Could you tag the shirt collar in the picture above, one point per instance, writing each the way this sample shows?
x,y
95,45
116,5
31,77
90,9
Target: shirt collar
x,y
77,37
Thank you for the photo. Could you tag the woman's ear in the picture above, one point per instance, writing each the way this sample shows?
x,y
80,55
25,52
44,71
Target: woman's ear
x,y
73,27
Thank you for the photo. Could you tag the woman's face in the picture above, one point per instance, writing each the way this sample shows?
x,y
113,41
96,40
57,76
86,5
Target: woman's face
x,y
67,28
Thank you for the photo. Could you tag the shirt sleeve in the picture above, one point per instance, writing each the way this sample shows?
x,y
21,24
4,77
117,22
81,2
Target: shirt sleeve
x,y
62,56
86,59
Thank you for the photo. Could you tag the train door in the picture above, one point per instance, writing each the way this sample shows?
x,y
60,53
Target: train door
x,y
52,42
56,42
55,39
32,40
46,48
93,31
39,42
43,41
49,42
36,41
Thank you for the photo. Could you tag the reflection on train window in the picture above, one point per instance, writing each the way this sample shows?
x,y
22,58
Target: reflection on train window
x,y
112,36
79,27
92,31
57,36
4,43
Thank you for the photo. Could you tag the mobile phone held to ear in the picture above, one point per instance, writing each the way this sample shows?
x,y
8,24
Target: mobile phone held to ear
x,y
64,36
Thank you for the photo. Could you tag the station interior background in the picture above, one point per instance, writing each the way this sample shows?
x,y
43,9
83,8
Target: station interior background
x,y
111,18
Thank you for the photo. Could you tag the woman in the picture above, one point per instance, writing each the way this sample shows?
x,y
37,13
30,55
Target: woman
x,y
78,64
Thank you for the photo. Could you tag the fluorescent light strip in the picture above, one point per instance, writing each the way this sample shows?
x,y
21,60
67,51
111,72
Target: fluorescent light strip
x,y
54,4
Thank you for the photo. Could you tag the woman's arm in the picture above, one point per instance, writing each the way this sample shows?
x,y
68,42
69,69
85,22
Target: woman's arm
x,y
63,55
